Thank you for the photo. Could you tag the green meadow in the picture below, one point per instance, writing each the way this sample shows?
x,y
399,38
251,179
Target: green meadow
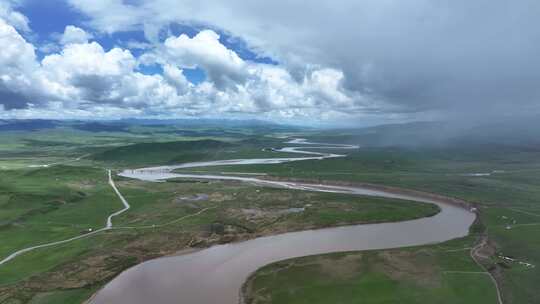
x,y
71,195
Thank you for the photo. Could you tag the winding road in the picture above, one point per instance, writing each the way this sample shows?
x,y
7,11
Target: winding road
x,y
476,256
108,226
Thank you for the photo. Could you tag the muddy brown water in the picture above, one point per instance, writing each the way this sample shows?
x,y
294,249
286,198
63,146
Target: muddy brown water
x,y
215,275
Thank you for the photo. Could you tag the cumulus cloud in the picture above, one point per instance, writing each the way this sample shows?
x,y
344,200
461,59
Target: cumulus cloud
x,y
17,63
14,18
115,14
175,77
454,57
223,66
73,34
82,77
254,87
85,71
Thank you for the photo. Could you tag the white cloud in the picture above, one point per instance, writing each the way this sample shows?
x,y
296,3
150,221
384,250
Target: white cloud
x,y
328,85
176,78
17,56
138,45
89,59
14,18
116,15
454,56
73,34
85,80
17,63
85,71
253,87
223,66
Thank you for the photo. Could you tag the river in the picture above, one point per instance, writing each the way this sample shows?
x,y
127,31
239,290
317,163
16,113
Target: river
x,y
215,275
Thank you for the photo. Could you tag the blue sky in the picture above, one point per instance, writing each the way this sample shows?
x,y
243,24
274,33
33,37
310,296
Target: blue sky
x,y
48,19
350,62
71,65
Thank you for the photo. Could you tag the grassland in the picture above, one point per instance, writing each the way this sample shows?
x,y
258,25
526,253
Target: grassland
x,y
502,181
68,141
40,205
432,274
51,204
66,199
175,152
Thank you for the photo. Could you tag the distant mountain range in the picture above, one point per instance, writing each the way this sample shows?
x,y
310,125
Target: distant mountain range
x,y
524,132
26,125
122,125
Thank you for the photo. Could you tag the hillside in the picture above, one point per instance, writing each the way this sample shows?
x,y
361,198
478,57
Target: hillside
x,y
161,153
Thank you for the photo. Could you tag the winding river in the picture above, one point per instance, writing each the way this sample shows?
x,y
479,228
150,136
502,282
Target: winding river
x,y
215,275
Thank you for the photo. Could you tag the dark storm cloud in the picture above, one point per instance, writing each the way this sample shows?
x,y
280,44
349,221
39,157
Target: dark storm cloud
x,y
454,56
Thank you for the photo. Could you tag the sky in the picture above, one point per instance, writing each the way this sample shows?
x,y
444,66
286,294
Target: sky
x,y
349,62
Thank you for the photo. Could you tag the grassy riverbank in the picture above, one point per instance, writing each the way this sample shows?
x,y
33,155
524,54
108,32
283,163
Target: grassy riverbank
x,y
502,182
72,196
67,200
429,274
